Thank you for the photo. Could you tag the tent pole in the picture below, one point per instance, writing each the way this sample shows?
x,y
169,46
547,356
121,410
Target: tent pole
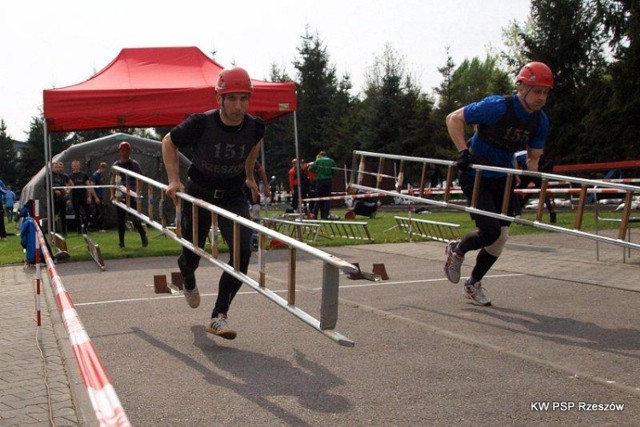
x,y
264,165
299,188
48,179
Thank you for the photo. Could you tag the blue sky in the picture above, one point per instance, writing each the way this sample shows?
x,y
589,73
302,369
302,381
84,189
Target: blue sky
x,y
57,44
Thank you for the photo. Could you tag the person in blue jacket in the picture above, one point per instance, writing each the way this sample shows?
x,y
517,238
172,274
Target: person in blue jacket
x,y
3,192
9,202
503,125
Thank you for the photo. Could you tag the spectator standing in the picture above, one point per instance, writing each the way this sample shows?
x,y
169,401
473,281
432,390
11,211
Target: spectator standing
x,y
9,202
59,179
273,186
325,168
80,197
435,176
293,184
3,191
126,162
97,195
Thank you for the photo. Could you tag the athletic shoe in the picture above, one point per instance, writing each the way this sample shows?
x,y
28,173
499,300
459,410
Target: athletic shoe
x,y
453,263
220,327
192,296
189,287
476,293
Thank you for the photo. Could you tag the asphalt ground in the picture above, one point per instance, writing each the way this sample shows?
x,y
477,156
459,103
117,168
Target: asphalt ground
x,y
562,331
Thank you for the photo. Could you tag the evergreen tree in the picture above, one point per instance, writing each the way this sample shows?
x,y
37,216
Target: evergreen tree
x,y
7,157
616,100
33,159
317,87
395,114
471,81
279,138
567,38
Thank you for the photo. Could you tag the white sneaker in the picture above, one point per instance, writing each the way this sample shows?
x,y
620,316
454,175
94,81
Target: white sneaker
x,y
476,293
453,262
220,327
192,296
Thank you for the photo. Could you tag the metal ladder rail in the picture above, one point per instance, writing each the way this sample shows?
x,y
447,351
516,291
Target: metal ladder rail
x,y
586,186
331,265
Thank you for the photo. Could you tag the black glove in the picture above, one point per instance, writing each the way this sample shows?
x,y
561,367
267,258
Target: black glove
x,y
464,160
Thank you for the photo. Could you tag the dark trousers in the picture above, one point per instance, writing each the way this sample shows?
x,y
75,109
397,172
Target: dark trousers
x,y
98,215
489,199
81,212
233,202
122,222
3,231
60,209
323,189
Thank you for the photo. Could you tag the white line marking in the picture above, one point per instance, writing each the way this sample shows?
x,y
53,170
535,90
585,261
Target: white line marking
x,y
282,291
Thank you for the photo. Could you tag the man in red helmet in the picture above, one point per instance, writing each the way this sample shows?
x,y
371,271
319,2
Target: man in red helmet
x,y
225,143
503,125
126,162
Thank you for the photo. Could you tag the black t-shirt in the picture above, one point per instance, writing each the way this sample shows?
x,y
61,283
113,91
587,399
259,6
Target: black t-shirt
x,y
219,151
79,178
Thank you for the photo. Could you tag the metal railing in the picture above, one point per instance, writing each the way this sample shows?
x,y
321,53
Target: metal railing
x,y
296,229
433,230
331,265
584,187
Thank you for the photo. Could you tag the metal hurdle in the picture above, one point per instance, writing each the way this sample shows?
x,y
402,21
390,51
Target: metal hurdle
x,y
94,251
586,186
353,230
303,231
433,230
331,265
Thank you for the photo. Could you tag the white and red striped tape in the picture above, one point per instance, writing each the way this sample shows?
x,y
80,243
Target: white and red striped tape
x,y
105,402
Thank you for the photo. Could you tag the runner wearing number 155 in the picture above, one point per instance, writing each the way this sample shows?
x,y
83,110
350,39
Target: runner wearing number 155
x,y
503,125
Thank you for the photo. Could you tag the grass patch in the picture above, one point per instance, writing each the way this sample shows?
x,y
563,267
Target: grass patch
x,y
382,229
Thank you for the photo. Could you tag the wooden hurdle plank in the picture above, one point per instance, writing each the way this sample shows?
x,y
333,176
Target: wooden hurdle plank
x,y
60,242
94,250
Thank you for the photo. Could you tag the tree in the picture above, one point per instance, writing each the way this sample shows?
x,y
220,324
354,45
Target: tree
x,y
279,140
621,83
7,157
394,113
317,90
565,36
33,159
471,81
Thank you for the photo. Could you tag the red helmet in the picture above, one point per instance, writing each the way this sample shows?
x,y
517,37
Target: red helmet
x,y
234,80
124,145
536,74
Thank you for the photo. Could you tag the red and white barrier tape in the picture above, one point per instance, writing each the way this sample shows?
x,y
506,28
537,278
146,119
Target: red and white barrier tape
x,y
105,402
345,196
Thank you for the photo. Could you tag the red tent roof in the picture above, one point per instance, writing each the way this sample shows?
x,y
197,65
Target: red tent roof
x,y
146,87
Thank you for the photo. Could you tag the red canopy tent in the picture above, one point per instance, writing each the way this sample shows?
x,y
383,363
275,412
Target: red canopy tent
x,y
150,87
145,87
